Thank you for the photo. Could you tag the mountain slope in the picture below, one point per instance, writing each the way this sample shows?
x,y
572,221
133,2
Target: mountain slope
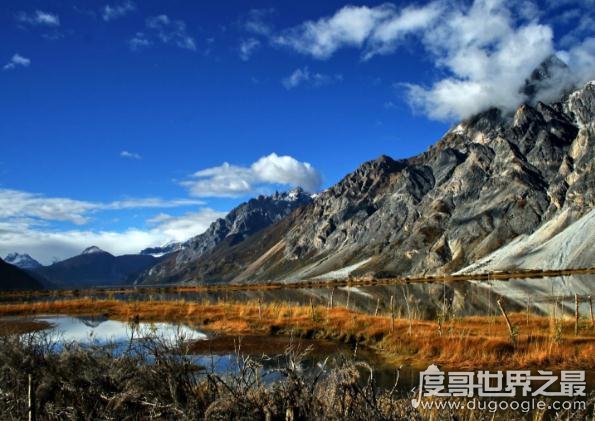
x,y
489,180
565,241
13,278
238,225
94,267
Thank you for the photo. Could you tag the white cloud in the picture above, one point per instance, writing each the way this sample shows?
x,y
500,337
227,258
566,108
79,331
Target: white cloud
x,y
116,11
17,60
304,76
47,246
350,26
287,170
130,155
19,204
181,228
15,204
229,180
25,225
147,202
223,181
39,17
139,41
485,50
171,31
388,33
488,57
256,22
376,29
248,47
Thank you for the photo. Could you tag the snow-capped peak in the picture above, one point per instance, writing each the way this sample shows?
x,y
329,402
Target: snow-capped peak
x,y
168,247
92,249
23,261
293,194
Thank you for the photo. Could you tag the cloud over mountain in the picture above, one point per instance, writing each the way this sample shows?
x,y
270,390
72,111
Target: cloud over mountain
x,y
484,51
229,180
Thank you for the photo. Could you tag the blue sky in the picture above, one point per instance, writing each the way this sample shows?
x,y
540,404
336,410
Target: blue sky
x,y
118,117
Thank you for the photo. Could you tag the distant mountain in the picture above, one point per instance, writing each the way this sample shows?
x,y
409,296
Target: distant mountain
x,y
13,278
240,223
23,261
498,190
92,250
95,267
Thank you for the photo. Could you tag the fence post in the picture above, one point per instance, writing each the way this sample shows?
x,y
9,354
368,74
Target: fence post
x,y
576,314
392,313
332,297
510,329
31,400
591,311
528,309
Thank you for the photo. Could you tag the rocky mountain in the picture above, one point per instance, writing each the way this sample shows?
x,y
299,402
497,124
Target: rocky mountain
x,y
239,224
13,278
95,267
23,261
491,179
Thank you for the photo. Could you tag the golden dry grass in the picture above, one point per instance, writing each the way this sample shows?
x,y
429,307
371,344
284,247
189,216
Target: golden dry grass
x,y
469,342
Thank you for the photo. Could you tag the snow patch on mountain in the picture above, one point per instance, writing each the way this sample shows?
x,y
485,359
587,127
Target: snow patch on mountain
x,y
92,250
561,243
23,261
343,272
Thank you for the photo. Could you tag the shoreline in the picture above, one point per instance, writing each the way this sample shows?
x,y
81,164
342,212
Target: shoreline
x,y
471,342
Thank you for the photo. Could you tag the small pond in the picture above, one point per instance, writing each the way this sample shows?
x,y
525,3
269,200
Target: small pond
x,y
101,330
215,353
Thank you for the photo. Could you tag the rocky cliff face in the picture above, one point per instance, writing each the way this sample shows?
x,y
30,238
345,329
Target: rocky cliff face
x,y
489,180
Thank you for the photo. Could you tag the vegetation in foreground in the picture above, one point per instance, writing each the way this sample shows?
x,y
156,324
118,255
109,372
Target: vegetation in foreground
x,y
158,380
459,343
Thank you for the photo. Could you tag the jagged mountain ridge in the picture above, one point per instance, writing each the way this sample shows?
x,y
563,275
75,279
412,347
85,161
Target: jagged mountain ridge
x,y
239,224
489,180
23,261
160,251
95,267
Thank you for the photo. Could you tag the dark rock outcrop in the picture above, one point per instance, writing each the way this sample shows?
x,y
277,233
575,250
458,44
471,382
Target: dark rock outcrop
x,y
13,278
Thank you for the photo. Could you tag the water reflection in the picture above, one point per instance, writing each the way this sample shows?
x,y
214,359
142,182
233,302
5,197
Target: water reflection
x,y
427,300
102,330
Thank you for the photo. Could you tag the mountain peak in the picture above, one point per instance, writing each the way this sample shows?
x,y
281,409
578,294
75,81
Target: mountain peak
x,y
550,80
92,250
295,194
23,261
